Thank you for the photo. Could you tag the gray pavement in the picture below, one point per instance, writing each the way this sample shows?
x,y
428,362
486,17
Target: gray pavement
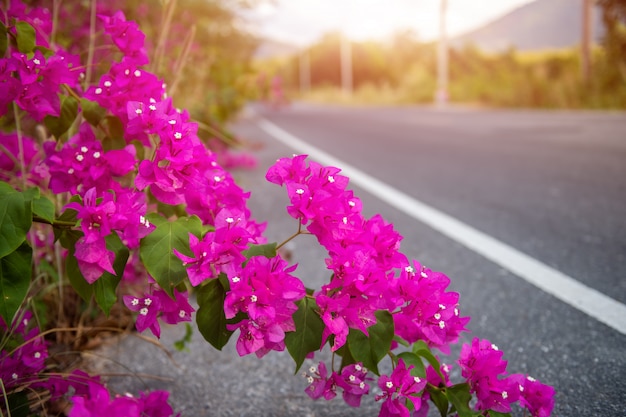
x,y
584,360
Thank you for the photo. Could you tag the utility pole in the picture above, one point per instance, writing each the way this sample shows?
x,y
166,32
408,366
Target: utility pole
x,y
585,45
441,96
305,72
346,65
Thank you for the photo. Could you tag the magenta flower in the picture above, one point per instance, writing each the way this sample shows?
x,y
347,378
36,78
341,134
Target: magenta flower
x,y
97,403
538,398
352,381
320,384
148,309
127,36
397,388
429,312
82,164
174,310
267,292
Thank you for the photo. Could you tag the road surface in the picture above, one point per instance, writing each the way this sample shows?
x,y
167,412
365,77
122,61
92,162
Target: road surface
x,y
525,212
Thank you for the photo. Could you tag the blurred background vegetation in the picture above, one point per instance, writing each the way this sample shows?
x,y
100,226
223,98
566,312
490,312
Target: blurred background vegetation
x,y
403,70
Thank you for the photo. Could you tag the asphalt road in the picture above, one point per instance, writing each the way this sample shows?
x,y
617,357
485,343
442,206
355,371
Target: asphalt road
x,y
551,185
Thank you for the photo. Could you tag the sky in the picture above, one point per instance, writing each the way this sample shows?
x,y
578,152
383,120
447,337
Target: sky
x,y
303,22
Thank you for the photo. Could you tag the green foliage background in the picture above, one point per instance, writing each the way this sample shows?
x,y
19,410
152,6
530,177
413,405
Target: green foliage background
x,y
403,71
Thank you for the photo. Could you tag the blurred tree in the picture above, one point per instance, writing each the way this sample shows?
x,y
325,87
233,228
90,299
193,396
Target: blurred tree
x,y
614,19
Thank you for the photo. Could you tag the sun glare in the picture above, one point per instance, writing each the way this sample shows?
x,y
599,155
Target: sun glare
x,y
304,21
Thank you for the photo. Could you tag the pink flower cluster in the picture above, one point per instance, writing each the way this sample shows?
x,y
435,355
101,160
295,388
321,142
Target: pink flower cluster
x,y
397,388
96,402
267,293
351,381
26,366
369,272
33,81
123,213
220,250
159,305
482,365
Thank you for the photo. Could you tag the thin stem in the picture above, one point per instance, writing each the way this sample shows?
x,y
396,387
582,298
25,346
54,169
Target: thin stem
x,y
10,155
54,223
165,29
299,232
182,59
20,144
92,42
56,6
6,399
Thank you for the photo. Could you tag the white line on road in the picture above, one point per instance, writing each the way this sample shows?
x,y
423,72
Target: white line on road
x,y
561,286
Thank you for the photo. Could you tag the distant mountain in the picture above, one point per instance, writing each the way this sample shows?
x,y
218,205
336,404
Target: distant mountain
x,y
542,24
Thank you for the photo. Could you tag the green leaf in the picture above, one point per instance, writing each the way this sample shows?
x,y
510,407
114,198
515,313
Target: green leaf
x,y
57,126
41,206
370,350
460,397
421,348
496,414
210,316
439,399
114,133
15,219
3,40
19,404
308,334
346,356
105,287
25,37
268,250
78,282
15,276
157,250
44,208
411,358
92,111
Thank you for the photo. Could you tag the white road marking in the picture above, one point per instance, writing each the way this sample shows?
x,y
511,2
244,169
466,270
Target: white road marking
x,y
546,278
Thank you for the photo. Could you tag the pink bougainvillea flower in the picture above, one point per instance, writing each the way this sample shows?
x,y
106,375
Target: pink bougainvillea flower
x,y
536,397
320,383
148,308
352,382
397,388
127,36
174,310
